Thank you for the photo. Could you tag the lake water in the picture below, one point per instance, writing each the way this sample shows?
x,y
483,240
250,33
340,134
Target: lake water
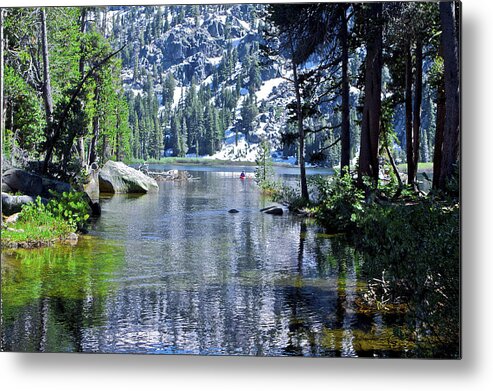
x,y
175,273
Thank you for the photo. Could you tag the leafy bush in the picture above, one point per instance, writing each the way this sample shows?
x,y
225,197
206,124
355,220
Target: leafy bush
x,y
43,222
71,207
36,224
339,202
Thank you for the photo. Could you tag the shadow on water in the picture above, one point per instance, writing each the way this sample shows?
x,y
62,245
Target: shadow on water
x,y
173,272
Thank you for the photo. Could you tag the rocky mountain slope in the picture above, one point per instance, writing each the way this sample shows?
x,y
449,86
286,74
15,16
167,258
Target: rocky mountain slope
x,y
211,46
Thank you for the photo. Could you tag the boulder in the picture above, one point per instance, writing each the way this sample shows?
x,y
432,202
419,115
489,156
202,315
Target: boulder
x,y
6,188
13,204
17,180
72,238
12,219
233,211
54,185
116,177
23,181
275,211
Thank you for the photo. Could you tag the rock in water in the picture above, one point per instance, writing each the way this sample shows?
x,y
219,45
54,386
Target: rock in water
x,y
116,177
267,208
275,211
233,211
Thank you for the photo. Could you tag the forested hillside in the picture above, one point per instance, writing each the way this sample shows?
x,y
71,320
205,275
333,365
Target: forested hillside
x,y
90,84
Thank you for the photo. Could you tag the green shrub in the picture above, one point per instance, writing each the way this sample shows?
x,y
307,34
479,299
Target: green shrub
x,y
36,223
339,202
44,222
71,207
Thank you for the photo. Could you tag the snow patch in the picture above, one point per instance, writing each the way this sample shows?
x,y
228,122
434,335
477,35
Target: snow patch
x,y
214,60
179,91
267,88
245,25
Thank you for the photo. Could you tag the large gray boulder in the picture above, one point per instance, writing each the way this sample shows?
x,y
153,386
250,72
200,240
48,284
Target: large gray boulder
x,y
54,185
17,180
6,188
13,204
23,181
116,177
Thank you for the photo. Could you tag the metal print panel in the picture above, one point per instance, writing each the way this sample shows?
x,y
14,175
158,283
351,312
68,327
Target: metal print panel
x,y
243,179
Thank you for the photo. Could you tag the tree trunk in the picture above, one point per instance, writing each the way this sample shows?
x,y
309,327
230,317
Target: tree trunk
x,y
105,148
80,141
47,97
440,124
301,131
418,91
345,131
370,125
409,117
450,149
92,153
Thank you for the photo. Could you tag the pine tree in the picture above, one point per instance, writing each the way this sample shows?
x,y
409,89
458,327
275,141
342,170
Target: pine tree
x,y
264,171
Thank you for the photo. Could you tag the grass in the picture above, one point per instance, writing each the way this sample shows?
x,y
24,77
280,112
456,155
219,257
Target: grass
x,y
42,232
40,225
427,167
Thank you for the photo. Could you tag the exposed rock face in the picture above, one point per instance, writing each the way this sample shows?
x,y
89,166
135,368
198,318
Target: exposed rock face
x,y
215,29
23,181
13,204
116,177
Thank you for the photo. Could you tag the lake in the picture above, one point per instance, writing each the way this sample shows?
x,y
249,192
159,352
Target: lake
x,y
175,273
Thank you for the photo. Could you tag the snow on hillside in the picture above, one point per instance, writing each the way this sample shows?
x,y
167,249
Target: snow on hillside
x,y
197,51
267,88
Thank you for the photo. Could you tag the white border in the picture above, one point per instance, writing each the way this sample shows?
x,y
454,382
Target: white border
x,y
474,372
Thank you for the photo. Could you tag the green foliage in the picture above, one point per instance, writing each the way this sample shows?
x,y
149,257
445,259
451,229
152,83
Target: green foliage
x,y
74,52
416,247
71,207
339,201
25,122
249,112
44,222
36,224
264,173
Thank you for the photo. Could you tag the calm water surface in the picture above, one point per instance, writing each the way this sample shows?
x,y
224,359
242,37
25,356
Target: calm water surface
x,y
175,273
